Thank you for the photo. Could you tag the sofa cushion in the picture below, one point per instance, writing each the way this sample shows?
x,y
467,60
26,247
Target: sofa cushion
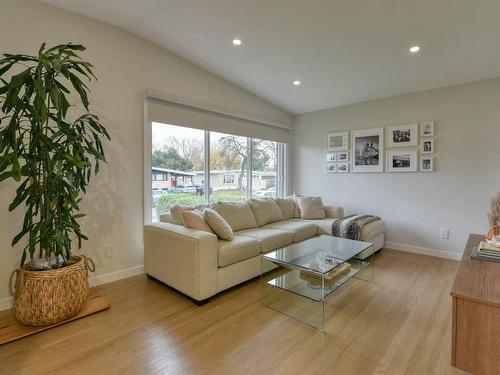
x,y
240,248
324,225
217,223
194,220
166,218
265,211
239,215
287,207
301,230
270,239
310,207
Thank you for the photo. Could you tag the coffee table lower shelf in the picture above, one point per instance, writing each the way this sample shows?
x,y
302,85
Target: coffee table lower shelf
x,y
292,295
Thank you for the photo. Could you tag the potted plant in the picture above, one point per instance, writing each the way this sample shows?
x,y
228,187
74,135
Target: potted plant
x,y
52,158
494,219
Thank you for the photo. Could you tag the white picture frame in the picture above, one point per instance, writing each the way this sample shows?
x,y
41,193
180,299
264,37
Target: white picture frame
x,y
331,156
343,156
427,129
331,167
343,167
402,160
426,164
427,146
402,135
338,141
367,150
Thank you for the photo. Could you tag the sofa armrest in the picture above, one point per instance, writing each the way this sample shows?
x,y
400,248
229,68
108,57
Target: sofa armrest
x,y
185,259
334,212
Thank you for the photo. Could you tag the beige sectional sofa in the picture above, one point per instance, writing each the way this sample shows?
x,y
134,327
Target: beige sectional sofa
x,y
200,265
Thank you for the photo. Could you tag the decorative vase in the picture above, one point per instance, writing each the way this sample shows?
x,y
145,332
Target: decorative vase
x,y
43,298
493,232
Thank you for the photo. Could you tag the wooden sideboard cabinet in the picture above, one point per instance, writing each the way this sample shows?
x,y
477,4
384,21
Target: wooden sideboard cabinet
x,y
476,314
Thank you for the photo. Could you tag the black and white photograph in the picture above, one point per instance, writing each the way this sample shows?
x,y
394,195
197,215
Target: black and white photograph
x,y
402,135
427,146
426,164
337,141
368,150
342,167
343,156
331,167
331,156
427,128
402,161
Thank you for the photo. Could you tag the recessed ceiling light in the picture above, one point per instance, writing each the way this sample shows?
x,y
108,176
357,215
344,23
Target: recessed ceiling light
x,y
415,49
297,83
237,42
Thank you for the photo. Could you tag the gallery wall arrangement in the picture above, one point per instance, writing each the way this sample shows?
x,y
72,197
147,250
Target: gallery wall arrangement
x,y
363,151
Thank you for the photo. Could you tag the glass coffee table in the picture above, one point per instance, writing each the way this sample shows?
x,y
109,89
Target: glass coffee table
x,y
310,271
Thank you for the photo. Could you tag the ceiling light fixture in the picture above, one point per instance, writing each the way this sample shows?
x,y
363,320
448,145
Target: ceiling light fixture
x,y
237,42
415,49
297,83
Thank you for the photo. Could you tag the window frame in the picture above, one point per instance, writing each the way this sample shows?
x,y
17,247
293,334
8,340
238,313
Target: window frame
x,y
281,172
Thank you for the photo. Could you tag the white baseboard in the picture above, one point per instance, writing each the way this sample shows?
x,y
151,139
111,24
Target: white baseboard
x,y
114,276
423,251
6,303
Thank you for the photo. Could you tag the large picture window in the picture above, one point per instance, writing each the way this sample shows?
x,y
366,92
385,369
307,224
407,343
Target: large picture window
x,y
192,166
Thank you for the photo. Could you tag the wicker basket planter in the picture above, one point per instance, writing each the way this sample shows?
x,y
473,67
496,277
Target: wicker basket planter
x,y
43,298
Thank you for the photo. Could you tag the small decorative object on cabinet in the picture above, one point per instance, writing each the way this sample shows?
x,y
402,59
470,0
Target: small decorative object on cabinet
x,y
493,235
402,135
52,155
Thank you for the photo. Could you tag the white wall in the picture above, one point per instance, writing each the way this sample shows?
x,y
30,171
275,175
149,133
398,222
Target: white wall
x,y
414,205
125,65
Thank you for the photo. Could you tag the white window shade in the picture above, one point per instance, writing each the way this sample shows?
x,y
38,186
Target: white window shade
x,y
206,117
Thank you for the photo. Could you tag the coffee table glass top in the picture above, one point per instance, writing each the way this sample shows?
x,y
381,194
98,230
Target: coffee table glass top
x,y
319,254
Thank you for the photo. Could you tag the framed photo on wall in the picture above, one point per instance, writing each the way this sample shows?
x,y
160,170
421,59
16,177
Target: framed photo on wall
x,y
331,156
331,167
337,141
427,128
368,150
427,146
426,164
402,135
402,161
343,156
342,167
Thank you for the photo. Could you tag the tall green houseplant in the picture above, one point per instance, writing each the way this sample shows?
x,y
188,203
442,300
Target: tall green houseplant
x,y
51,156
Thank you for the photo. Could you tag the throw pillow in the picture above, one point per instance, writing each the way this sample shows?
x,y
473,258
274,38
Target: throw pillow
x,y
311,207
217,223
239,215
176,213
265,211
194,220
287,207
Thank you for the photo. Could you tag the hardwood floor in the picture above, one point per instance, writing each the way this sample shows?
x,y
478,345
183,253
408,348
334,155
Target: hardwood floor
x,y
401,324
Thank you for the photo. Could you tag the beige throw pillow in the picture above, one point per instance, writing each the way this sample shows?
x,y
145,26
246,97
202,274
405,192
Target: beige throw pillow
x,y
265,211
194,220
176,213
239,215
287,207
217,223
296,213
311,207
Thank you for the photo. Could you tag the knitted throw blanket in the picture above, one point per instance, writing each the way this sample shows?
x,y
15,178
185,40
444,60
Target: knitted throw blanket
x,y
350,226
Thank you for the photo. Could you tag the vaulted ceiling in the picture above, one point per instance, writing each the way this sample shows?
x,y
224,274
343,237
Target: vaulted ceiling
x,y
342,51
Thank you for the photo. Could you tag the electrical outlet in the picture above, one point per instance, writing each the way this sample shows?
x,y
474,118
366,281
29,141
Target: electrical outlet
x,y
110,251
444,234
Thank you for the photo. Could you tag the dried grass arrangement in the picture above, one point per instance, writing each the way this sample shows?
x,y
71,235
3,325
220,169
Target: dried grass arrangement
x,y
494,217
